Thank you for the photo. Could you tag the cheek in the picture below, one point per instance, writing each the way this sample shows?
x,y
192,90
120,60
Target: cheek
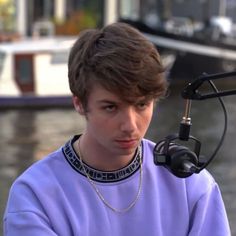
x,y
100,124
147,117
146,120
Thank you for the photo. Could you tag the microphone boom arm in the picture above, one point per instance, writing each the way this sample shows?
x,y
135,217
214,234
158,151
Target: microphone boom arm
x,y
178,159
191,90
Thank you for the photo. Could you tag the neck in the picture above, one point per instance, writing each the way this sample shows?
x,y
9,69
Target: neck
x,y
98,158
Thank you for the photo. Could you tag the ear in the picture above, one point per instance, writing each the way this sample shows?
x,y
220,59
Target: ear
x,y
78,105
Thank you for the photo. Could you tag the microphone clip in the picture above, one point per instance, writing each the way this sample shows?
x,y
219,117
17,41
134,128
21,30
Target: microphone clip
x,y
178,159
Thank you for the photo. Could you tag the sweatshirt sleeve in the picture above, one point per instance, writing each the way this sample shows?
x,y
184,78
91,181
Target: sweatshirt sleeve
x,y
26,213
209,216
27,224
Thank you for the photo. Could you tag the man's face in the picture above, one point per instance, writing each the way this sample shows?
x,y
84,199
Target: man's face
x,y
113,125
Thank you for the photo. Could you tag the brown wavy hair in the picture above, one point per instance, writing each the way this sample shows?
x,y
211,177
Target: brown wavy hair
x,y
119,58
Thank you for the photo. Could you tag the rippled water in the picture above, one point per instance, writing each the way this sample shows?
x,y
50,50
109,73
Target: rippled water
x,y
26,136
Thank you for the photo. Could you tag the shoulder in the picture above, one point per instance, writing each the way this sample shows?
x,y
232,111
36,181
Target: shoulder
x,y
203,182
40,178
147,145
199,185
46,174
43,167
40,174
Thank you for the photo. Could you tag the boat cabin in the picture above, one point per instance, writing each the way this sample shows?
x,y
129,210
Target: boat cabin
x,y
35,67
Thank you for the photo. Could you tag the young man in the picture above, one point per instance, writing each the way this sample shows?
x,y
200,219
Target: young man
x,y
104,181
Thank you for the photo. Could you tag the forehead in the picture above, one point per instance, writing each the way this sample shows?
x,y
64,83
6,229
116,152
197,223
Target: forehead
x,y
100,94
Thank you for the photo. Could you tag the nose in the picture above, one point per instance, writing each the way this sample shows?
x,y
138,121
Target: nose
x,y
128,120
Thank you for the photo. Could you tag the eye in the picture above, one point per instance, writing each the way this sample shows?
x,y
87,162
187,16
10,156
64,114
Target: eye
x,y
110,108
142,105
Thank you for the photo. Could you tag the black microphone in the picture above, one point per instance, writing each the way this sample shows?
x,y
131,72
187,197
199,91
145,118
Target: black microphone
x,y
178,159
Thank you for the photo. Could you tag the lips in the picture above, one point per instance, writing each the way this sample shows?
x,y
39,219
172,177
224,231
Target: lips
x,y
127,143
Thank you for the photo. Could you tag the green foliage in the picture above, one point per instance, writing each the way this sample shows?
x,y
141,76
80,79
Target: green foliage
x,y
7,15
78,21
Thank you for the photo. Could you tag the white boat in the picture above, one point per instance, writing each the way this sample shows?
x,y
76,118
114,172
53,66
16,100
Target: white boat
x,y
33,72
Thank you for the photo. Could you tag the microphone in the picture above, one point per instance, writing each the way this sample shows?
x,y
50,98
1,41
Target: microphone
x,y
179,159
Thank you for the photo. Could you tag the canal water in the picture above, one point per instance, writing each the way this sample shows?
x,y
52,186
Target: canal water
x,y
28,135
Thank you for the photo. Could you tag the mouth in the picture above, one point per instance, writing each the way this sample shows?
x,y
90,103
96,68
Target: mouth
x,y
127,143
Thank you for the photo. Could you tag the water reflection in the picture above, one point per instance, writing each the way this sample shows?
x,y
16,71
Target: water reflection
x,y
26,136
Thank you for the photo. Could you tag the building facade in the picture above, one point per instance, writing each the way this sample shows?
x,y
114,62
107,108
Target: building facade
x,y
32,17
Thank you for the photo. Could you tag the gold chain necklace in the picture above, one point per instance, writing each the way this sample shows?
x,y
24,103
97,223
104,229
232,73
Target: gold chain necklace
x,y
99,193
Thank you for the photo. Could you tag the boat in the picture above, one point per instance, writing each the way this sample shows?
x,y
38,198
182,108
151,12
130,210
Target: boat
x,y
198,47
33,72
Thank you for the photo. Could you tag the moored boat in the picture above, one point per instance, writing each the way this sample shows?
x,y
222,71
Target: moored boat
x,y
198,48
33,72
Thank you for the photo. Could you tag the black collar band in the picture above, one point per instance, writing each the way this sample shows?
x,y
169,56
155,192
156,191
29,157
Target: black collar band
x,y
98,175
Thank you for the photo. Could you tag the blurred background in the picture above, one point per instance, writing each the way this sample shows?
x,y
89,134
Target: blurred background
x,y
36,113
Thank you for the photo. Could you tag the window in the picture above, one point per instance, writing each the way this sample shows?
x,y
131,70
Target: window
x,y
25,70
2,59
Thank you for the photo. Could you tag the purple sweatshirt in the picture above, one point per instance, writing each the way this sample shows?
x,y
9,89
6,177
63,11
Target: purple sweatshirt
x,y
54,197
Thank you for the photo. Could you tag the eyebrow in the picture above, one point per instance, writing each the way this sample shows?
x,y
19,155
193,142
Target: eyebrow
x,y
107,101
117,102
